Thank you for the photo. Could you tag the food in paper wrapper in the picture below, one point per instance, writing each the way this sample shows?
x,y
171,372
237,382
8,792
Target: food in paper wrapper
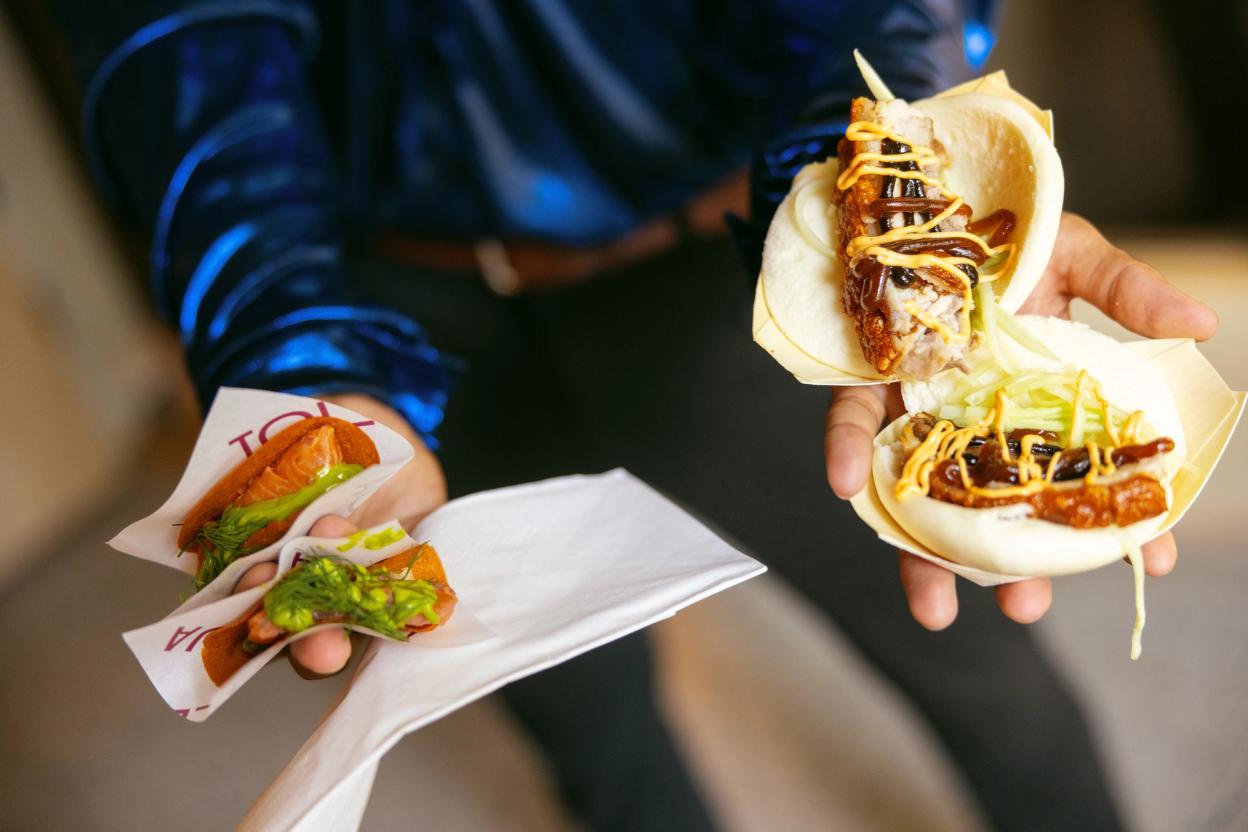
x,y
378,582
625,557
1030,470
404,594
255,504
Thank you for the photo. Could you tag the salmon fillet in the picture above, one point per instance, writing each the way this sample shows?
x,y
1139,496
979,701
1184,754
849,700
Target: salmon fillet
x,y
297,467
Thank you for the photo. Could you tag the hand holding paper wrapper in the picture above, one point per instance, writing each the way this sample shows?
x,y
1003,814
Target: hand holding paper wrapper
x,y
544,572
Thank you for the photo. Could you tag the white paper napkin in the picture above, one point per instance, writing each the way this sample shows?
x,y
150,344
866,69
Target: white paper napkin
x,y
553,569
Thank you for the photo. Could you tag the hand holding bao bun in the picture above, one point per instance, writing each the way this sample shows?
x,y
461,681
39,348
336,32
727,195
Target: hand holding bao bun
x,y
1031,446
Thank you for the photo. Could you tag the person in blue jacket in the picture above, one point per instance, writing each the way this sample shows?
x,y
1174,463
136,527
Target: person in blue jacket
x,y
503,222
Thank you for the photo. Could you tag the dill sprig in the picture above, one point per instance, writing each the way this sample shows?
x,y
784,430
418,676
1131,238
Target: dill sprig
x,y
324,587
221,542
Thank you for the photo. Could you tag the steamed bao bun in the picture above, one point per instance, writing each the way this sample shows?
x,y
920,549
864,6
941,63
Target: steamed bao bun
x,y
1007,539
999,155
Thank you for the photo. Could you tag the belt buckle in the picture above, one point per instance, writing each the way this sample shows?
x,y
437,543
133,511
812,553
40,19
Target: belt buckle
x,y
500,275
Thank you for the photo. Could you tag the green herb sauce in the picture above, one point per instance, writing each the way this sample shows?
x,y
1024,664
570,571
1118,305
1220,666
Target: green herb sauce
x,y
371,542
223,540
382,539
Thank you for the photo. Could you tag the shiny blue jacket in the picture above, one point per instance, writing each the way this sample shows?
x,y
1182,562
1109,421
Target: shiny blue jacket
x,y
256,142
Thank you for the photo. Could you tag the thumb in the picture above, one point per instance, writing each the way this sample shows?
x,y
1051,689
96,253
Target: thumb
x,y
332,525
853,420
1128,290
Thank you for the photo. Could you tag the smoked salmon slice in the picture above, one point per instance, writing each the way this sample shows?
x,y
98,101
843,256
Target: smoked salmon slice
x,y
298,467
268,486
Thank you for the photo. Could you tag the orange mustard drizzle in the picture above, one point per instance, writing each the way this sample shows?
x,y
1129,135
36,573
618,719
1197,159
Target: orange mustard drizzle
x,y
946,441
874,246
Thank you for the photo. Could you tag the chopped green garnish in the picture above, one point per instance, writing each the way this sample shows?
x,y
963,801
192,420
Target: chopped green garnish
x,y
324,587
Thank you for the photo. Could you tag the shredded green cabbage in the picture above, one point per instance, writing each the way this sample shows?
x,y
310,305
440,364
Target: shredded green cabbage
x,y
1135,555
994,322
1038,400
986,303
1013,328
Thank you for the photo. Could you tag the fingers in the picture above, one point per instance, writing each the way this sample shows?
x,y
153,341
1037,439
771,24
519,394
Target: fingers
x,y
332,525
1128,290
932,594
417,489
853,420
1025,601
930,590
1160,555
255,576
321,654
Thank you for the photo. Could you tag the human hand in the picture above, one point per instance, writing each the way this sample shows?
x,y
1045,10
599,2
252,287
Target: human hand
x,y
1084,265
417,489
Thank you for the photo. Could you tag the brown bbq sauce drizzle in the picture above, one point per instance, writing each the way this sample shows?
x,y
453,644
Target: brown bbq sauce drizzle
x,y
928,205
987,466
1001,221
915,207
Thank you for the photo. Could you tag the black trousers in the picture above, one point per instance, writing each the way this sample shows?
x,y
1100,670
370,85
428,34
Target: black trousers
x,y
652,368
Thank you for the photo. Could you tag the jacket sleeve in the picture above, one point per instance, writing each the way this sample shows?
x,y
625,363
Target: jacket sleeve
x,y
201,125
918,46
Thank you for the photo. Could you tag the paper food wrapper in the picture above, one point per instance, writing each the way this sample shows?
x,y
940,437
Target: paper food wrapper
x,y
553,569
170,650
1208,409
239,422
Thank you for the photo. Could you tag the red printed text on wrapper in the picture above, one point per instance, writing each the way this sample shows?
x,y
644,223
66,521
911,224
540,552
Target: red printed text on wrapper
x,y
262,435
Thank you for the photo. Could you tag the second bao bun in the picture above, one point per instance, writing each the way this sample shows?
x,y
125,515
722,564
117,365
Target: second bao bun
x,y
1005,539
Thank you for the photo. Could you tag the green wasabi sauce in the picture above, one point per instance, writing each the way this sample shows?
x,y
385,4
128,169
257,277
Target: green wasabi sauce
x,y
372,542
382,539
325,587
352,541
223,540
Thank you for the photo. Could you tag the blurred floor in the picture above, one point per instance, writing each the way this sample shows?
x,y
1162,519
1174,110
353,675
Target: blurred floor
x,y
786,728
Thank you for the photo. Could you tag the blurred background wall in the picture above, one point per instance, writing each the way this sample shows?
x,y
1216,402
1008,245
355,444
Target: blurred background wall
x,y
1144,93
83,367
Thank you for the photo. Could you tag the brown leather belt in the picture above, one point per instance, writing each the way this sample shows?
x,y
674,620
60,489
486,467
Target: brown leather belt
x,y
513,267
